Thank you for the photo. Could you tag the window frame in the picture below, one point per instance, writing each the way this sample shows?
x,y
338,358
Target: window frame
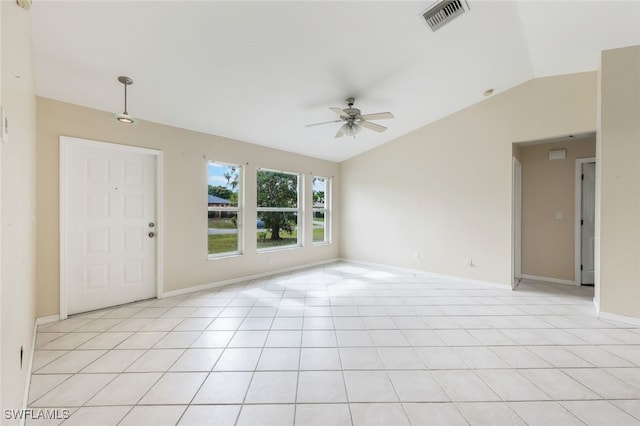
x,y
239,210
299,210
326,210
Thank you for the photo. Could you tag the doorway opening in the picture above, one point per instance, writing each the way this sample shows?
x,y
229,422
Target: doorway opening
x,y
553,215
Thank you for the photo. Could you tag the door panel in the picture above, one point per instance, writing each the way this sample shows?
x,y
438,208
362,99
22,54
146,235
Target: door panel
x,y
517,222
109,202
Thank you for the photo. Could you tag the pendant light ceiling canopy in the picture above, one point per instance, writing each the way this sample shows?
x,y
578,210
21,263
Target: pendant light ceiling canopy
x,y
125,117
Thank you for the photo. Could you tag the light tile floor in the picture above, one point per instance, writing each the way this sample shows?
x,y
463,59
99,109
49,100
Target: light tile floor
x,y
343,344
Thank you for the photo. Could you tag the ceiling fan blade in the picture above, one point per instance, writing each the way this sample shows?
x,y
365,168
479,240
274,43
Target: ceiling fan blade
x,y
324,122
377,116
373,126
340,133
340,112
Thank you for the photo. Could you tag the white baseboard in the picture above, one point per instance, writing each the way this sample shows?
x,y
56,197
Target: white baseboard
x,y
27,384
548,279
599,314
618,318
427,274
472,281
217,284
386,267
47,320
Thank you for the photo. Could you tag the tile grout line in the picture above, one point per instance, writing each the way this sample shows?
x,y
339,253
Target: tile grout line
x,y
364,309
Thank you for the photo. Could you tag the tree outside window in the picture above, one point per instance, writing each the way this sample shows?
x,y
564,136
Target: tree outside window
x,y
223,209
278,209
320,211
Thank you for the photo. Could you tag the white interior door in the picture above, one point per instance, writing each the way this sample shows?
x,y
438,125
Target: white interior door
x,y
109,215
588,223
517,222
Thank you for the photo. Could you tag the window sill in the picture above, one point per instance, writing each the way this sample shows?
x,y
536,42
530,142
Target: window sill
x,y
321,243
224,255
283,248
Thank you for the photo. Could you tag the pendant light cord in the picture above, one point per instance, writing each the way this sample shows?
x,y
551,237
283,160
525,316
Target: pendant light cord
x,y
125,100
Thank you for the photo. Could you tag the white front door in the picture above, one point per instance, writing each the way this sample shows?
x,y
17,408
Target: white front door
x,y
588,223
108,200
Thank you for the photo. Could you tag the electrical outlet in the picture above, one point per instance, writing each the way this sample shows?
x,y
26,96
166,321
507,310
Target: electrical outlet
x,y
469,262
416,256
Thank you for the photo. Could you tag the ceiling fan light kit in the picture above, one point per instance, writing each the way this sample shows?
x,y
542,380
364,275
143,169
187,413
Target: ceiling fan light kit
x,y
354,121
350,129
125,118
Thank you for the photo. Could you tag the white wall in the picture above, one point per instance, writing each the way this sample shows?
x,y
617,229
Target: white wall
x,y
444,190
17,201
2,318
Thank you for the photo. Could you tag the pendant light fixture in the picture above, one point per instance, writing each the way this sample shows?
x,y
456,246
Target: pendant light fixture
x,y
125,117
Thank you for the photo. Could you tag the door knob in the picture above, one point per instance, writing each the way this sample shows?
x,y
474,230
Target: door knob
x,y
152,234
151,224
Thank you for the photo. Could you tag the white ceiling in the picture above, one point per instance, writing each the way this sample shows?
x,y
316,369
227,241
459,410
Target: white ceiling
x,y
260,71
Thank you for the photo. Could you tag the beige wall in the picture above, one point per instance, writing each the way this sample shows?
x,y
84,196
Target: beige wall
x,y
618,281
548,186
444,191
17,201
185,186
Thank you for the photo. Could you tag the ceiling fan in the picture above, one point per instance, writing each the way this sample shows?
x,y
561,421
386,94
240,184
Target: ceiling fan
x,y
354,121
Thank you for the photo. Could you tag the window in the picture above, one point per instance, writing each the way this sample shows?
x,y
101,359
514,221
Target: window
x,y
278,209
321,201
223,211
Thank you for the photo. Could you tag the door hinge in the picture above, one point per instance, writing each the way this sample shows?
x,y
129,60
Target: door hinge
x,y
581,222
582,177
581,267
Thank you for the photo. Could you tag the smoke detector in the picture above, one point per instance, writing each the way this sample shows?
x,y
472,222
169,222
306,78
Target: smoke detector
x,y
443,12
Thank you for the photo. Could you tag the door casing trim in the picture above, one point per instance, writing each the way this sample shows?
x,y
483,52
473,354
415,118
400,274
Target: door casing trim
x,y
577,278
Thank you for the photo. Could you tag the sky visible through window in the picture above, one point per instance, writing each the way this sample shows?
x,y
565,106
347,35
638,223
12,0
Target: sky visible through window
x,y
216,177
216,174
319,185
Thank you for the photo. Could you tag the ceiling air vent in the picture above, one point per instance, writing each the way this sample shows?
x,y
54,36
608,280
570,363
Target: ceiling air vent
x,y
444,12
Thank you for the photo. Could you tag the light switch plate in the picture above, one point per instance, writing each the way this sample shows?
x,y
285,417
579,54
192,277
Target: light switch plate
x,y
25,4
5,125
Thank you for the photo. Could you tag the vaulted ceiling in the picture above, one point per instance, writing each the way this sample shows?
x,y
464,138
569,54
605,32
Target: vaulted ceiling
x,y
260,71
